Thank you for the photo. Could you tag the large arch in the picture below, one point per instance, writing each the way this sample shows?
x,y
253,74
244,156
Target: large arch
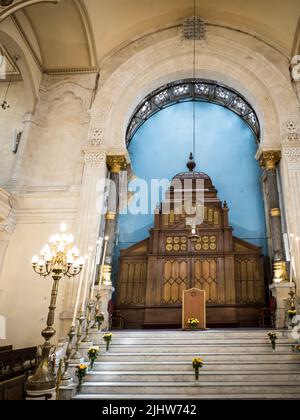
x,y
146,64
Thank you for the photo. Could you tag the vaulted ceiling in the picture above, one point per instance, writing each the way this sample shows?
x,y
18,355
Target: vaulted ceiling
x,y
78,34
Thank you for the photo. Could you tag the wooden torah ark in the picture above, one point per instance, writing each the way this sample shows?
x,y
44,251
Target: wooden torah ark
x,y
153,273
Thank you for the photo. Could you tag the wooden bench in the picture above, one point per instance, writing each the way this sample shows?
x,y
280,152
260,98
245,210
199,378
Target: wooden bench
x,y
15,366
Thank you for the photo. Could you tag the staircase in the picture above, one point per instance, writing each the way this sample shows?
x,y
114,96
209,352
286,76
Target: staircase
x,y
238,364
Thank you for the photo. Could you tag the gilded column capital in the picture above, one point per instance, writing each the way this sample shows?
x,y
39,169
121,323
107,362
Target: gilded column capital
x,y
269,159
116,163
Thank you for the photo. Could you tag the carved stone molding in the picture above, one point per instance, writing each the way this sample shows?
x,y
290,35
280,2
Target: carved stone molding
x,y
8,7
9,225
94,159
292,154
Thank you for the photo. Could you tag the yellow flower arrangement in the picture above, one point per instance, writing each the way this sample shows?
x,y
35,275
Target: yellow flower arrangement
x,y
80,373
107,338
273,337
193,322
297,347
197,363
93,354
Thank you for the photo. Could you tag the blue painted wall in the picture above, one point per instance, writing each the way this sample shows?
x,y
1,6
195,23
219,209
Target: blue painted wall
x,y
225,150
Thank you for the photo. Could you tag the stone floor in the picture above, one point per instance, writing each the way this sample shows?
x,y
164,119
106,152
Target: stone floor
x,y
156,364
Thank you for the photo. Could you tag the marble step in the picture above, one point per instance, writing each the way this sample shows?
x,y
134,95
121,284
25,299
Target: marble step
x,y
194,341
199,348
180,334
206,356
192,388
183,366
188,376
167,397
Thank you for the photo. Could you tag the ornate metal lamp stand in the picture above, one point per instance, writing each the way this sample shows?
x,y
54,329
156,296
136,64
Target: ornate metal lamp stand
x,y
60,258
76,355
89,310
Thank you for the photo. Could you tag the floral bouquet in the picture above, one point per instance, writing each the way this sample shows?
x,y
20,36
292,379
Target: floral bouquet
x,y
99,318
80,373
197,364
193,322
297,347
291,313
107,338
93,353
273,337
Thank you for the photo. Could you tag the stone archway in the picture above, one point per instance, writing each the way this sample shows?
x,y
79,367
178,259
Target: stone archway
x,y
253,68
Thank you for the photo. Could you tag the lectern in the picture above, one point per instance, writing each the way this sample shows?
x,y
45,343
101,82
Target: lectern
x,y
193,306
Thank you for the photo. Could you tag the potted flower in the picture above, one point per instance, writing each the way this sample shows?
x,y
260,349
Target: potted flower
x,y
197,364
80,373
291,313
107,338
193,323
273,337
297,347
99,318
93,353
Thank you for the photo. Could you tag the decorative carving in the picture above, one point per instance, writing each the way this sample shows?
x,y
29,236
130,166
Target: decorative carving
x,y
9,224
94,159
270,159
96,137
291,131
116,163
193,28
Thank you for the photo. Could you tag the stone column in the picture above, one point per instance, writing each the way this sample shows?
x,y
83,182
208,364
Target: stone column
x,y
88,216
280,288
115,164
269,161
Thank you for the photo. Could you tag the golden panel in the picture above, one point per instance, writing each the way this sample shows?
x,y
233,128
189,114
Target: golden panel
x,y
205,247
183,247
183,239
210,215
176,247
205,239
169,240
165,219
176,240
198,247
169,247
172,216
205,213
213,247
212,239
216,217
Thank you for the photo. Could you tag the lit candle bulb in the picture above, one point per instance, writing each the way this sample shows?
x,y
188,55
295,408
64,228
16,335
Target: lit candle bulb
x,y
35,260
60,248
75,251
45,250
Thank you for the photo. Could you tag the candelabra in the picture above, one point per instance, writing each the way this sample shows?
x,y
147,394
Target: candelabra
x,y
58,258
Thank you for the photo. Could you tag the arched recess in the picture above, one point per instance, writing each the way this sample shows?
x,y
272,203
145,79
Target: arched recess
x,y
251,68
16,51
